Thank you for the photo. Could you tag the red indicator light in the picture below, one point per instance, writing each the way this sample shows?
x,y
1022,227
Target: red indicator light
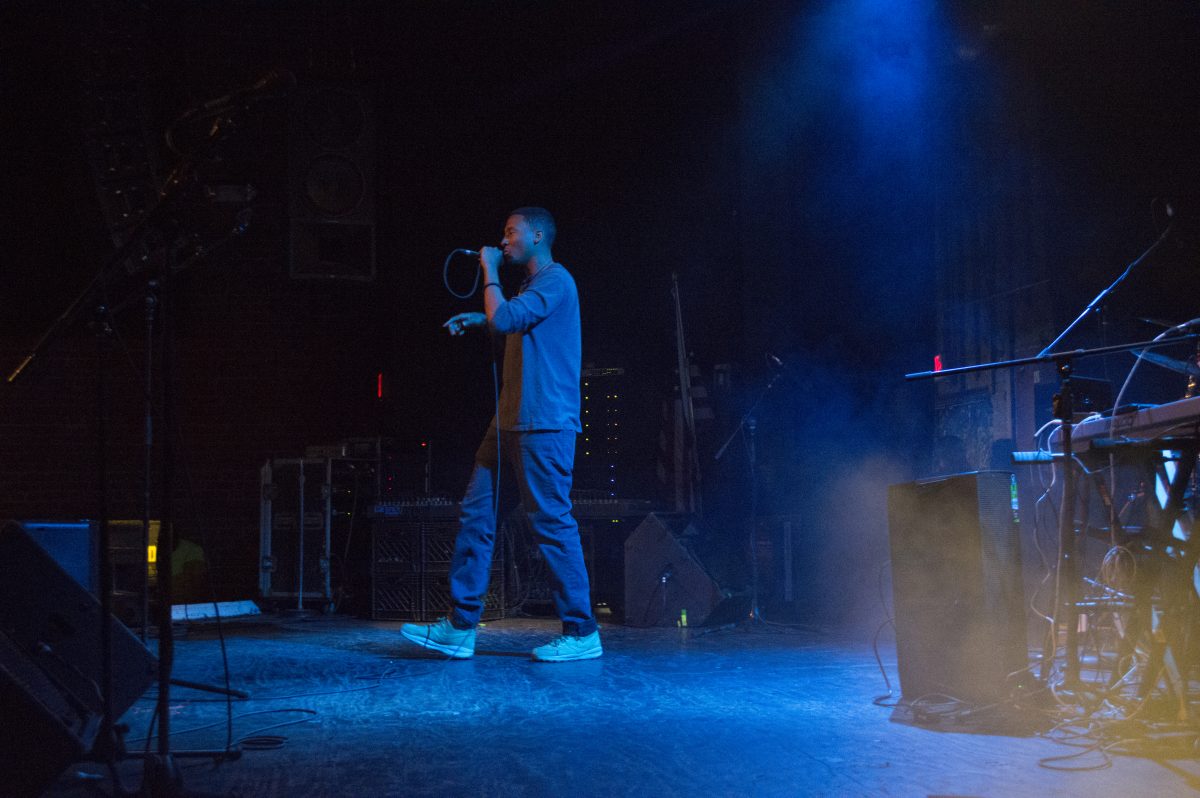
x,y
937,363
379,385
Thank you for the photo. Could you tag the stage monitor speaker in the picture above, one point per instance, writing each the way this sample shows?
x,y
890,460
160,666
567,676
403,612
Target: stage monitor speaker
x,y
50,665
956,583
663,577
73,545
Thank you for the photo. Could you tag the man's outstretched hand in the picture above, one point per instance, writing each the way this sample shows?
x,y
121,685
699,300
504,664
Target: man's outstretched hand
x,y
464,321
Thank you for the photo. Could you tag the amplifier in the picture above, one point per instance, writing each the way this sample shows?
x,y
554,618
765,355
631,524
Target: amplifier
x,y
431,508
410,566
956,584
583,508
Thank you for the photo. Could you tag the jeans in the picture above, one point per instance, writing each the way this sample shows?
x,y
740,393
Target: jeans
x,y
541,462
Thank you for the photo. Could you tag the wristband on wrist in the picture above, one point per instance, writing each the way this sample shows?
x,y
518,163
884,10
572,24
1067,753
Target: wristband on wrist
x,y
485,286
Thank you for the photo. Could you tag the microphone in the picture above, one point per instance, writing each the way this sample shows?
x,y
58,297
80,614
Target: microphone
x,y
276,79
475,253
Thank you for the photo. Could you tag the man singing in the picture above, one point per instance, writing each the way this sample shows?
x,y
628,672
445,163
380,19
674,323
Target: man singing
x,y
535,433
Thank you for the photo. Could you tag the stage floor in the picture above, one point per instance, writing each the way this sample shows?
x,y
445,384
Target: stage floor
x,y
768,711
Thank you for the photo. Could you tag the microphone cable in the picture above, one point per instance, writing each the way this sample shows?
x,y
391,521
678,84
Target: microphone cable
x,y
446,275
495,379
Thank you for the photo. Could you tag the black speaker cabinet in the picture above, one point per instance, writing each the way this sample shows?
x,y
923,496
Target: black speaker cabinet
x,y
663,577
956,582
331,178
50,666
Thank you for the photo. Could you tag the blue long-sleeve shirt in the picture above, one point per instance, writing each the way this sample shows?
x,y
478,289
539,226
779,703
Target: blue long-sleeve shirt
x,y
541,353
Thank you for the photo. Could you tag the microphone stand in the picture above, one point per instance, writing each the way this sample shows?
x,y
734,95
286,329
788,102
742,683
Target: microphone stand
x,y
109,744
148,450
1064,411
162,778
749,425
1100,297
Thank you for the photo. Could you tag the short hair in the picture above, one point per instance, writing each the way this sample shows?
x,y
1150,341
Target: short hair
x,y
539,218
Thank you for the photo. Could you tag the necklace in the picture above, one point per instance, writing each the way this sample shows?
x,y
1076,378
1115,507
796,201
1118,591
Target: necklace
x,y
541,269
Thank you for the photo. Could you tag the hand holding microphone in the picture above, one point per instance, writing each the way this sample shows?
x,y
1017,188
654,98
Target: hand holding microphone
x,y
490,260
